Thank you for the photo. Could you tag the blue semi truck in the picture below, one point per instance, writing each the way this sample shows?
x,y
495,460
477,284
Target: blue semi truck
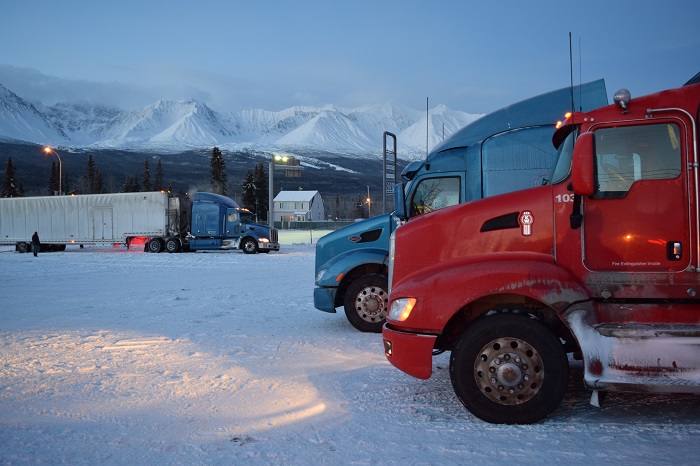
x,y
216,222
505,151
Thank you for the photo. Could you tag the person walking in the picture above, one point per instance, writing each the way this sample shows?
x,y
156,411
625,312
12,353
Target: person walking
x,y
35,243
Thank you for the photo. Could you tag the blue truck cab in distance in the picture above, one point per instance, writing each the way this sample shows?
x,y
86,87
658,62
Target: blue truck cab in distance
x,y
505,151
220,223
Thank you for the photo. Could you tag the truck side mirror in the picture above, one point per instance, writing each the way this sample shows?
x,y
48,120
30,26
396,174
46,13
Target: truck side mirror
x,y
583,165
399,201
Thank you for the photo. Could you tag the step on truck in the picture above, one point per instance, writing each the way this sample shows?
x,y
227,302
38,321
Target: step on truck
x,y
159,220
602,264
507,150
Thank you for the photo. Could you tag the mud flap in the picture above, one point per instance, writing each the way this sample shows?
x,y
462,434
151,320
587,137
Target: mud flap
x,y
597,398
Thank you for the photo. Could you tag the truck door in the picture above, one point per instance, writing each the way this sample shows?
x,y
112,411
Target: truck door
x,y
636,227
233,223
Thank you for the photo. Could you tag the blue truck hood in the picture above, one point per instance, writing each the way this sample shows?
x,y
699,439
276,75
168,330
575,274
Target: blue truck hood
x,y
353,236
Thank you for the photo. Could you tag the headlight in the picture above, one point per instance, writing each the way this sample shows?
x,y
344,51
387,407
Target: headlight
x,y
320,274
401,308
264,240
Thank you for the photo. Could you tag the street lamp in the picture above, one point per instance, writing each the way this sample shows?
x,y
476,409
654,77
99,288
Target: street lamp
x,y
271,205
369,204
49,150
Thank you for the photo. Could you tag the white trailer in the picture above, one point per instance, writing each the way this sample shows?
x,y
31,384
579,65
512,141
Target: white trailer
x,y
88,219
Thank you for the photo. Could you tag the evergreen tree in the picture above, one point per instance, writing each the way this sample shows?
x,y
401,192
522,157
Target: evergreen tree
x,y
218,172
146,177
360,208
158,181
66,182
53,187
97,185
261,191
248,191
10,186
90,174
132,184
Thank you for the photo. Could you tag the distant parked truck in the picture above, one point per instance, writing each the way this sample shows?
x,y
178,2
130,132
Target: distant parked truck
x,y
507,150
161,221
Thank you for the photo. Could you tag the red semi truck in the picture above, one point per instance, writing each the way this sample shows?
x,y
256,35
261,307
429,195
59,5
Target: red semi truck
x,y
601,264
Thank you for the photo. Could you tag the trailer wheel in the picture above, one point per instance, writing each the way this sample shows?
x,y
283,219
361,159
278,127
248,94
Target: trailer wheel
x,y
173,245
366,301
509,369
155,245
249,246
22,247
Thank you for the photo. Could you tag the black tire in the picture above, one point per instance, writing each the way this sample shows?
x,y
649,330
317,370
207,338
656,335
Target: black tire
x,y
249,246
23,247
366,301
509,369
173,245
156,245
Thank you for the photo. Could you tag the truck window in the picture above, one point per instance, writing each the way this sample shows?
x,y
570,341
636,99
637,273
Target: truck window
x,y
562,168
247,217
517,159
435,193
628,154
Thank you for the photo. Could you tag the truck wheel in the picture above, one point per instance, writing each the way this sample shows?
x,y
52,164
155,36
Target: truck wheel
x,y
22,247
249,246
155,245
509,369
173,245
365,302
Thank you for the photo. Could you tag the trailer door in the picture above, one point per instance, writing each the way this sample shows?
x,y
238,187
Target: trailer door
x,y
102,220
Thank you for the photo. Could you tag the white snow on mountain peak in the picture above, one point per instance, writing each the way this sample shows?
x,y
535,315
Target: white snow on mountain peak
x,y
177,125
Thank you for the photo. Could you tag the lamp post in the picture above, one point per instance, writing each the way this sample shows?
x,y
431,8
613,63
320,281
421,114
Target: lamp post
x,y
271,205
369,204
49,150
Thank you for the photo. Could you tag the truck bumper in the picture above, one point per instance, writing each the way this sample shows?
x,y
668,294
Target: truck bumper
x,y
411,353
324,299
268,246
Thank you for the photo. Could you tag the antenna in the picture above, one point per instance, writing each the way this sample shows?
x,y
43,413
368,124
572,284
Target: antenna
x,y
580,67
427,123
571,74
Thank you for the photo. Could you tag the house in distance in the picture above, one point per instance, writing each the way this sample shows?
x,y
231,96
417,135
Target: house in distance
x,y
299,206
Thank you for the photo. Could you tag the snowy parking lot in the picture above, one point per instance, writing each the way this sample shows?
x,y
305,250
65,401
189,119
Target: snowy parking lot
x,y
109,356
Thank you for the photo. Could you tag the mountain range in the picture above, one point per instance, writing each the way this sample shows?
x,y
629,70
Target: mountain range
x,y
169,126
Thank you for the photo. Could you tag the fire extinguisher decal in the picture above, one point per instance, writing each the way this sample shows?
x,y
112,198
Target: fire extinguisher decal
x,y
526,220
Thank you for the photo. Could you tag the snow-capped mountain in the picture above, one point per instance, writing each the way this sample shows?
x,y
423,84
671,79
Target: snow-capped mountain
x,y
175,126
21,121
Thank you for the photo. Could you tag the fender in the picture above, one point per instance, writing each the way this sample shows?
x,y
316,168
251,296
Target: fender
x,y
329,274
445,288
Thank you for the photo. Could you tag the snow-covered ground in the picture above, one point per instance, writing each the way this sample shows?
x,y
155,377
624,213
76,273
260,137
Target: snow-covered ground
x,y
110,356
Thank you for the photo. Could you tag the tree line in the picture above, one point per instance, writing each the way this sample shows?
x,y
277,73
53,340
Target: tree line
x,y
91,182
253,189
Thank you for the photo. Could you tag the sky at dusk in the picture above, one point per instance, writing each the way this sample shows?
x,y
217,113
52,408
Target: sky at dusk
x,y
471,56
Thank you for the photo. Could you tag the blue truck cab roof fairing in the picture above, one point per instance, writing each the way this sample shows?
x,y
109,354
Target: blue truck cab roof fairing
x,y
216,199
544,109
463,150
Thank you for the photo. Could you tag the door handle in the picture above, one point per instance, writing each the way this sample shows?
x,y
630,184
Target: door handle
x,y
674,250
